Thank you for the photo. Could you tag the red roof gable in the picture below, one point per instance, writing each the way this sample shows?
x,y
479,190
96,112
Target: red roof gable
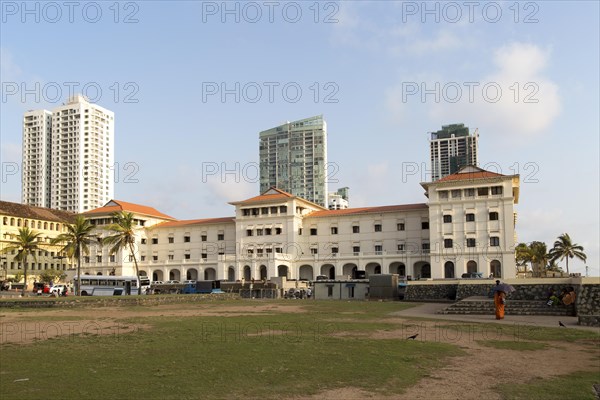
x,y
469,176
118,205
33,212
269,195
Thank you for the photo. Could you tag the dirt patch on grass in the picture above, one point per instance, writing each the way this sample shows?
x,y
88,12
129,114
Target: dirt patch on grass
x,y
21,327
474,375
24,332
348,393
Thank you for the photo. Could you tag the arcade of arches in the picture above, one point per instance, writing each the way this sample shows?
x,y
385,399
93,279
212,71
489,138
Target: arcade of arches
x,y
419,270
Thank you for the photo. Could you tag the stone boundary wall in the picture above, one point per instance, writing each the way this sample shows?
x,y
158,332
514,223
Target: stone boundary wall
x,y
440,292
112,301
588,305
586,308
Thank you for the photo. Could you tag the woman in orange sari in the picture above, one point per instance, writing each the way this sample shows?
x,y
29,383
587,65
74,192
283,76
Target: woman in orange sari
x,y
499,300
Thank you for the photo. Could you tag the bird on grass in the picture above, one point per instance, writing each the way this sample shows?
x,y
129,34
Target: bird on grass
x,y
413,337
561,324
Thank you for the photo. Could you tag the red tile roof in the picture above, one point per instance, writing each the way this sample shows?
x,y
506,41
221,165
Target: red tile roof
x,y
368,210
222,220
32,212
268,196
118,205
469,176
273,194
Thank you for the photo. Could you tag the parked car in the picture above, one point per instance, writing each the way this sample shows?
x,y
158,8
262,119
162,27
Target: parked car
x,y
189,282
173,282
60,289
472,275
157,283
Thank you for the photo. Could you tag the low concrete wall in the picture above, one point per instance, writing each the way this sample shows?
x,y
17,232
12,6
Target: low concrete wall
x,y
110,301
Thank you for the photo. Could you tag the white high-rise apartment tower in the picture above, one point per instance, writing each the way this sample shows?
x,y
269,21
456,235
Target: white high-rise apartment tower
x,y
293,158
37,141
451,149
78,157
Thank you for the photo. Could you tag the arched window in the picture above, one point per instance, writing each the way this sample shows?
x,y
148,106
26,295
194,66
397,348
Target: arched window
x,y
471,266
449,270
496,268
263,272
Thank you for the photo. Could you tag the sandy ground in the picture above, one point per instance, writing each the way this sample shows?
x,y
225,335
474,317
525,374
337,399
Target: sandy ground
x,y
466,377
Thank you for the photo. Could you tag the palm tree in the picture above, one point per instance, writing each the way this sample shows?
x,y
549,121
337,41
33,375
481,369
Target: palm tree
x,y
553,266
538,256
564,248
535,253
522,256
76,241
124,237
25,243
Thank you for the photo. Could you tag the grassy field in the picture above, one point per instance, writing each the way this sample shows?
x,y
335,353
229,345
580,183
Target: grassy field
x,y
235,352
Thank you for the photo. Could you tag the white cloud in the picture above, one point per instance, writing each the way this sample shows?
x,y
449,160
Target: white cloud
x,y
389,35
524,60
222,192
514,100
444,40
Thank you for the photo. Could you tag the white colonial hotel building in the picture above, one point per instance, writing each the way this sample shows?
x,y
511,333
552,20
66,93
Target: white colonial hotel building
x,y
467,225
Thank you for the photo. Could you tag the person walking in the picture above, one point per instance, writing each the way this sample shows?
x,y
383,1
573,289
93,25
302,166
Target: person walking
x,y
499,300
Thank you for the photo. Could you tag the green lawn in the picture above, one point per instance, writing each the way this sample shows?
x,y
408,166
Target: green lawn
x,y
272,354
252,356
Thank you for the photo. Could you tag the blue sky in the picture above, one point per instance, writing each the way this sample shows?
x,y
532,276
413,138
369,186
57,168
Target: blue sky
x,y
382,73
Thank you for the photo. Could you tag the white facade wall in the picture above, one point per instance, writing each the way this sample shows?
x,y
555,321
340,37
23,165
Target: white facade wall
x,y
395,248
282,235
494,239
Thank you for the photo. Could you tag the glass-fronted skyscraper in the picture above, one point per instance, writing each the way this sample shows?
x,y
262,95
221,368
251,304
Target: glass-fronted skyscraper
x,y
293,158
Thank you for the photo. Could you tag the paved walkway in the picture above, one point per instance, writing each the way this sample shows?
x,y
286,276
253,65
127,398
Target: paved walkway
x,y
428,310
